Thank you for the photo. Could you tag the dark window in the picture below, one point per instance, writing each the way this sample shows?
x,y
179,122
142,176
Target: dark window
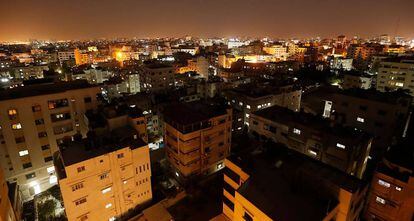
x,y
255,122
47,159
232,175
87,99
42,134
19,139
30,175
382,112
121,155
207,150
39,121
221,144
36,108
229,188
364,108
272,129
228,203
27,165
247,217
222,121
45,147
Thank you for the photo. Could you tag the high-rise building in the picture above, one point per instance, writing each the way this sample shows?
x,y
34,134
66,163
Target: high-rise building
x,y
288,186
357,80
342,148
197,137
392,189
249,98
396,73
103,176
34,120
157,77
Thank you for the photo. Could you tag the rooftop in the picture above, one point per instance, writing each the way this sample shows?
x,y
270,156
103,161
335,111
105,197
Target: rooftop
x,y
287,116
43,88
193,112
87,148
291,186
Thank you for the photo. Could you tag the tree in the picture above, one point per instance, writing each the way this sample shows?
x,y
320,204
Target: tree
x,y
46,210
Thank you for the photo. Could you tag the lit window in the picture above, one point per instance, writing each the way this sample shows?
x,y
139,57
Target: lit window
x,y
125,182
12,114
398,188
247,115
380,200
399,84
219,166
241,103
248,106
383,183
112,219
108,205
340,146
17,126
360,119
296,131
23,153
106,190
50,169
259,106
53,179
313,152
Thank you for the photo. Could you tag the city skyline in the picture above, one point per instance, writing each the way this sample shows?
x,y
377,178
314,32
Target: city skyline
x,y
79,20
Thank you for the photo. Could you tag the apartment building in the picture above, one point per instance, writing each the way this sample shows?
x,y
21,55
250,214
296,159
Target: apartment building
x,y
342,148
157,77
396,73
66,56
7,212
384,115
392,189
357,80
34,120
289,187
197,137
83,56
103,176
252,97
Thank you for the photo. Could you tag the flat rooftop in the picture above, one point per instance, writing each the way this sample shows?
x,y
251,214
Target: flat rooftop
x,y
287,116
43,88
77,151
292,187
192,112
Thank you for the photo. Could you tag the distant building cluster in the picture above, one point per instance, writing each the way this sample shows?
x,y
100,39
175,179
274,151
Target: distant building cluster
x,y
131,129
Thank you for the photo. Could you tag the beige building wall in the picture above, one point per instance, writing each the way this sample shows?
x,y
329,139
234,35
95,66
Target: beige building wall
x,y
29,136
396,75
107,185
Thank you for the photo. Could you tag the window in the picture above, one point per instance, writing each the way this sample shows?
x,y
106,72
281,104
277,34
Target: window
x,y
296,131
103,176
23,153
36,108
12,114
77,186
106,190
19,139
47,159
17,126
380,200
398,188
247,217
120,155
364,108
42,134
221,144
207,150
80,169
255,122
60,116
248,106
87,99
360,119
109,205
50,170
30,175
39,121
340,145
383,183
45,147
228,203
222,121
53,104
27,165
80,201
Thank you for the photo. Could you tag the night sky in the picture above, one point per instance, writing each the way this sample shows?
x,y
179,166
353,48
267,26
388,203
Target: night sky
x,y
81,19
